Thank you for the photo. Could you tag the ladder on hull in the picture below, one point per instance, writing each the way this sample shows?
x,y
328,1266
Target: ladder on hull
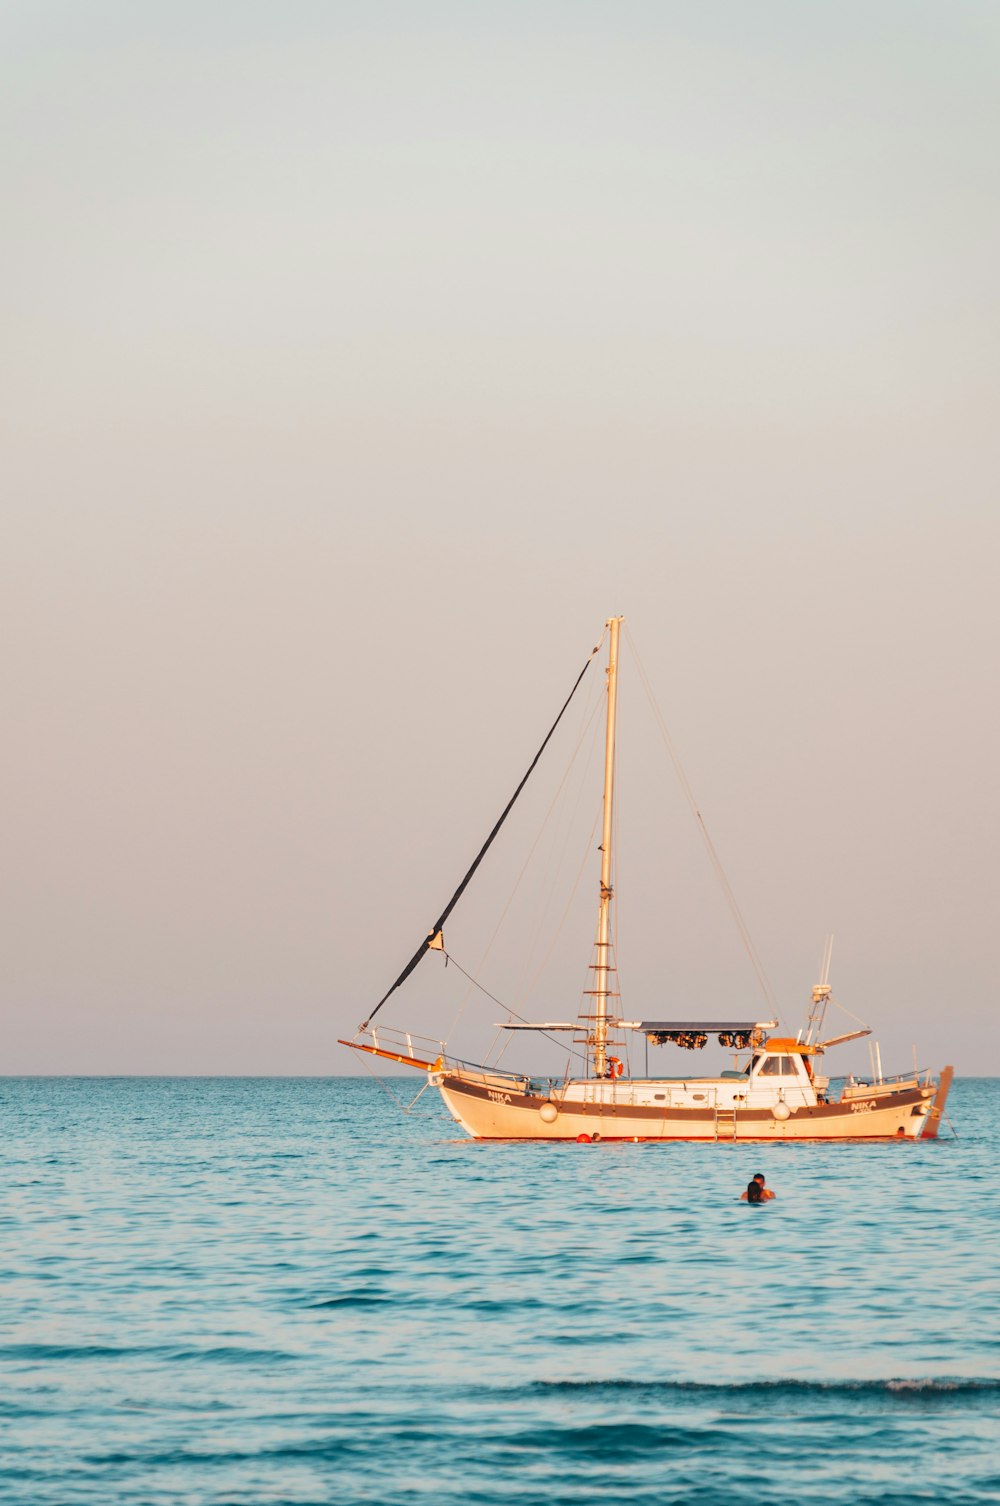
x,y
725,1124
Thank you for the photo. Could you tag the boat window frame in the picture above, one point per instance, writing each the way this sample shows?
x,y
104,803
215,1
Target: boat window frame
x,y
762,1066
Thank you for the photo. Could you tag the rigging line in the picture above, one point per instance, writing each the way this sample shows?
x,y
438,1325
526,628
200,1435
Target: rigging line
x,y
532,983
616,853
714,858
559,859
589,718
411,1106
439,923
386,1088
507,1007
844,1010
487,1062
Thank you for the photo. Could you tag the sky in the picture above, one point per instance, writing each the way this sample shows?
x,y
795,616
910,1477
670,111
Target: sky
x,y
359,361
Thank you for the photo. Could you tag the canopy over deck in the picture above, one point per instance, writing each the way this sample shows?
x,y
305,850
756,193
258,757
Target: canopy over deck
x,y
666,1028
670,1027
734,1035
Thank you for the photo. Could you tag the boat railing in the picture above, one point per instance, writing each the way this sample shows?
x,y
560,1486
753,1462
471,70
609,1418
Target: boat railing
x,y
476,1072
405,1043
855,1085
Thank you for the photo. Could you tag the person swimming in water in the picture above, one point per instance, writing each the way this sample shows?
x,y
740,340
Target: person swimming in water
x,y
756,1191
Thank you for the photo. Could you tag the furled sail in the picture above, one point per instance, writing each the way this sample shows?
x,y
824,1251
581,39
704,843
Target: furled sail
x,y
434,940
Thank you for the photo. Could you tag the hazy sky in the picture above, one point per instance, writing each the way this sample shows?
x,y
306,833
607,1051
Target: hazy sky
x,y
359,360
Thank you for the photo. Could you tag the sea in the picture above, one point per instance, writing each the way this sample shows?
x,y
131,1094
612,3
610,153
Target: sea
x,y
302,1291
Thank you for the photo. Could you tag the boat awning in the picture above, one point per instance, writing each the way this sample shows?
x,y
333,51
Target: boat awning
x,y
651,1027
685,1027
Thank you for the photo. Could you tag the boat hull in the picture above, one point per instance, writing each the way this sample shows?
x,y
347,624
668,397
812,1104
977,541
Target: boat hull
x,y
498,1111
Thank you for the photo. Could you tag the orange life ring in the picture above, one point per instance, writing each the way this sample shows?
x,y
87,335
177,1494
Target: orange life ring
x,y
615,1068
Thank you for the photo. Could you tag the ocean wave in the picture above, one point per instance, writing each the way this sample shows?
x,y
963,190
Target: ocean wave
x,y
901,1387
349,1300
224,1352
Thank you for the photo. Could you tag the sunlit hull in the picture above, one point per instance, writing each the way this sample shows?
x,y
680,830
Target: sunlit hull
x,y
492,1109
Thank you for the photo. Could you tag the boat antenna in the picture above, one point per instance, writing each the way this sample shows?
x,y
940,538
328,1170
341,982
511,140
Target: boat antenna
x,y
434,940
820,995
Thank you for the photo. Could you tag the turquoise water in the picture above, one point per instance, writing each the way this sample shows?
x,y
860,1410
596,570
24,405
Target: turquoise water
x,y
285,1291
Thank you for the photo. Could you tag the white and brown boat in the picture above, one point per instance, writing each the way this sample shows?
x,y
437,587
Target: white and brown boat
x,y
774,1091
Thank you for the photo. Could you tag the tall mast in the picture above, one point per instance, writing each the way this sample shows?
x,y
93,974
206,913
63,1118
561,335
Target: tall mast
x,y
603,969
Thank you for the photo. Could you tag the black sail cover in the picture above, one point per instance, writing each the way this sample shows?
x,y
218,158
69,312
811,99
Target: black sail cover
x,y
433,937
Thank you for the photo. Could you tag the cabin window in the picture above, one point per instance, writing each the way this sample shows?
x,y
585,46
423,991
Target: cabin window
x,y
778,1066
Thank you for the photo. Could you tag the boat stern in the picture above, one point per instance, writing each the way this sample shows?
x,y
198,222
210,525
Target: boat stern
x,y
935,1113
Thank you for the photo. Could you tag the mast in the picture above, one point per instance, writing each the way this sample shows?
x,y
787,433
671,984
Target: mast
x,y
603,968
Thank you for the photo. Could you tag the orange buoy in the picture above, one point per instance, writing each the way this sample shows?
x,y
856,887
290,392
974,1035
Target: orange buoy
x,y
583,1139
